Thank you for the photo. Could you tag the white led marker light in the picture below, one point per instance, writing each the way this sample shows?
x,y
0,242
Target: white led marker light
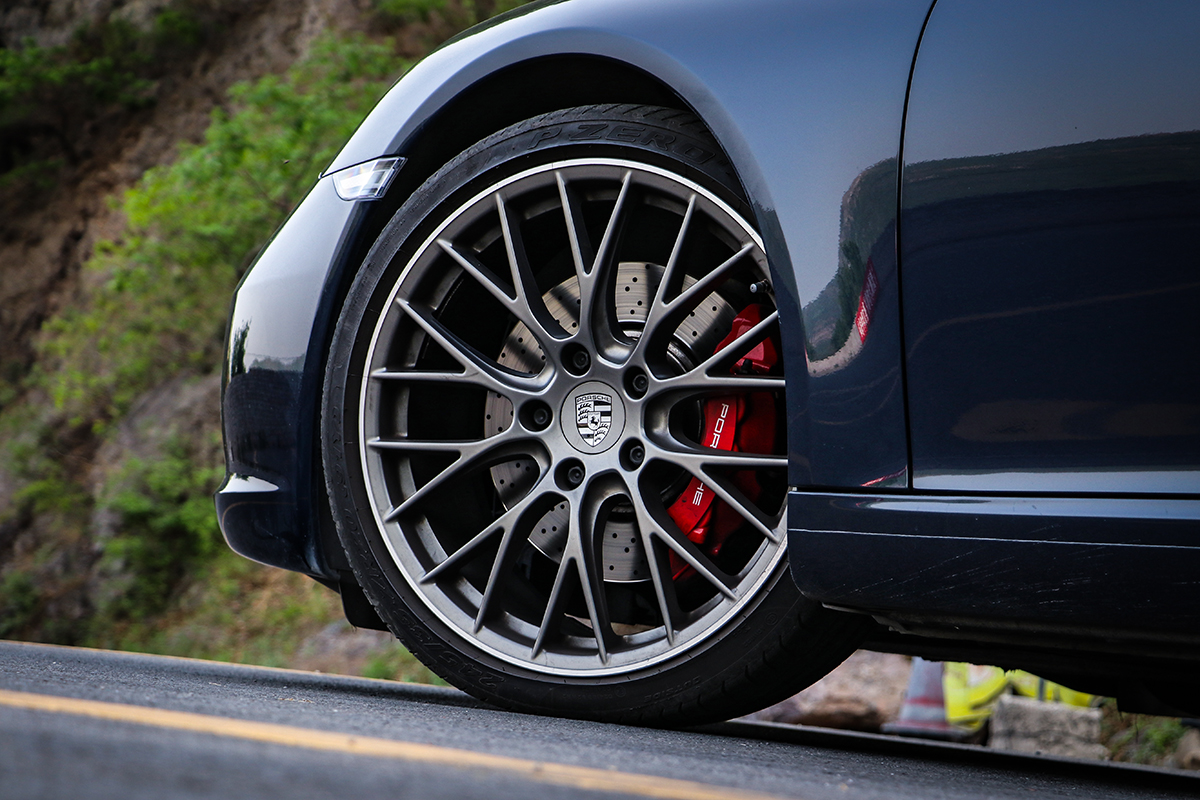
x,y
368,180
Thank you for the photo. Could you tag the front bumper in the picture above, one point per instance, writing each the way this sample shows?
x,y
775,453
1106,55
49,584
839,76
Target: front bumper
x,y
271,503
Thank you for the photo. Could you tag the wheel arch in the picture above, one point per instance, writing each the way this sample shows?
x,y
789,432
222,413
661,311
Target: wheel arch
x,y
519,90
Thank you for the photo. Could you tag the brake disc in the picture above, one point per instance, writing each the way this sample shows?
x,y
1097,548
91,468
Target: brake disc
x,y
622,555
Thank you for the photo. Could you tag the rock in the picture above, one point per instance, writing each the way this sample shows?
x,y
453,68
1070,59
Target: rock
x,y
1187,753
861,694
1026,725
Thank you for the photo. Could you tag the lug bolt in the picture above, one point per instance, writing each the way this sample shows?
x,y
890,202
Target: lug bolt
x,y
633,453
575,476
569,474
535,415
580,360
636,383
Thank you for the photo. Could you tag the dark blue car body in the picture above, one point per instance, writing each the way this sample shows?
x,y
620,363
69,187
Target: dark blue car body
x,y
981,223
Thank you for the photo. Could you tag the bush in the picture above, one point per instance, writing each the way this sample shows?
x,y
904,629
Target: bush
x,y
18,603
457,14
166,527
48,94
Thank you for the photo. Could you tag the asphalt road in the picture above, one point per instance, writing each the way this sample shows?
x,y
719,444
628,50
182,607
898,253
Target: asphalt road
x,y
78,723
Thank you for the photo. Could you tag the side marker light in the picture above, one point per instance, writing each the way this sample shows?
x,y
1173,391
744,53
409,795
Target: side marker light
x,y
368,180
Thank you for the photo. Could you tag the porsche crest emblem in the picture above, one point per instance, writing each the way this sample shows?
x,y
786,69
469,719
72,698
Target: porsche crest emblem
x,y
593,417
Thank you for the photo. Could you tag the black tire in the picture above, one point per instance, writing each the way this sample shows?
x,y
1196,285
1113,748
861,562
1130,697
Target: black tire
x,y
482,358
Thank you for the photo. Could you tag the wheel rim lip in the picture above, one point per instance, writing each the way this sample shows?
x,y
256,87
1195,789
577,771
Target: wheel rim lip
x,y
766,565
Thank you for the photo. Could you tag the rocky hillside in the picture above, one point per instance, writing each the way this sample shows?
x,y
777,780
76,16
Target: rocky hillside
x,y
129,132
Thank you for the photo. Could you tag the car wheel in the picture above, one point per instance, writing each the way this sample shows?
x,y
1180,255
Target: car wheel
x,y
553,429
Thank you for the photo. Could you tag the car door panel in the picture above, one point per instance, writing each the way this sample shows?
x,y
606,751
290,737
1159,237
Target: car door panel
x,y
1050,202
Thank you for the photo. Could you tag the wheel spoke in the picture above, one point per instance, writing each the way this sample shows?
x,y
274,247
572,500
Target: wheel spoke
x,y
484,276
527,306
586,534
504,559
582,253
746,509
475,454
664,586
551,616
676,251
660,572
476,364
521,516
471,376
702,288
666,314
612,229
597,317
658,305
664,529
695,382
463,447
460,556
506,522
695,460
729,353
686,549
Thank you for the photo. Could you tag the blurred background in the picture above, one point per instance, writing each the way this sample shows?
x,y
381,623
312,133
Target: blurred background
x,y
148,149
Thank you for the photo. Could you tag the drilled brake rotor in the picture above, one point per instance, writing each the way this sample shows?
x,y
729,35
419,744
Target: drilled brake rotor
x,y
623,557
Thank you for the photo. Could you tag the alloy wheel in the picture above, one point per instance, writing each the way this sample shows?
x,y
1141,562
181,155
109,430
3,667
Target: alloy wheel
x,y
536,405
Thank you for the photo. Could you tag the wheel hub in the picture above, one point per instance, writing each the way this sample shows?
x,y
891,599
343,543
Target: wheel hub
x,y
582,418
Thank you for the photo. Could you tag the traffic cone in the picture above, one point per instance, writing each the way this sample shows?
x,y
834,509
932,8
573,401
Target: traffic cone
x,y
924,711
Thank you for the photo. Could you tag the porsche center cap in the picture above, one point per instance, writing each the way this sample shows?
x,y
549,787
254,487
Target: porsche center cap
x,y
593,417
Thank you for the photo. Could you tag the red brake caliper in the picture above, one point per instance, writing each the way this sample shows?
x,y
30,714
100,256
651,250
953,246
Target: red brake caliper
x,y
743,423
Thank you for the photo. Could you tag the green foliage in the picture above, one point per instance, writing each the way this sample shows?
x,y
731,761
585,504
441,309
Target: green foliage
x,y
228,609
37,457
409,10
18,603
154,307
100,66
849,279
395,663
1139,738
167,526
457,14
36,175
47,94
178,27
500,6
194,227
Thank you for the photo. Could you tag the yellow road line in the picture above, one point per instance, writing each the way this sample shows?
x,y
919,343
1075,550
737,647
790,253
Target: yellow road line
x,y
541,771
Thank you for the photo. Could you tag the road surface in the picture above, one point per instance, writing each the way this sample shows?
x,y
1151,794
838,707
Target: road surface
x,y
78,723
